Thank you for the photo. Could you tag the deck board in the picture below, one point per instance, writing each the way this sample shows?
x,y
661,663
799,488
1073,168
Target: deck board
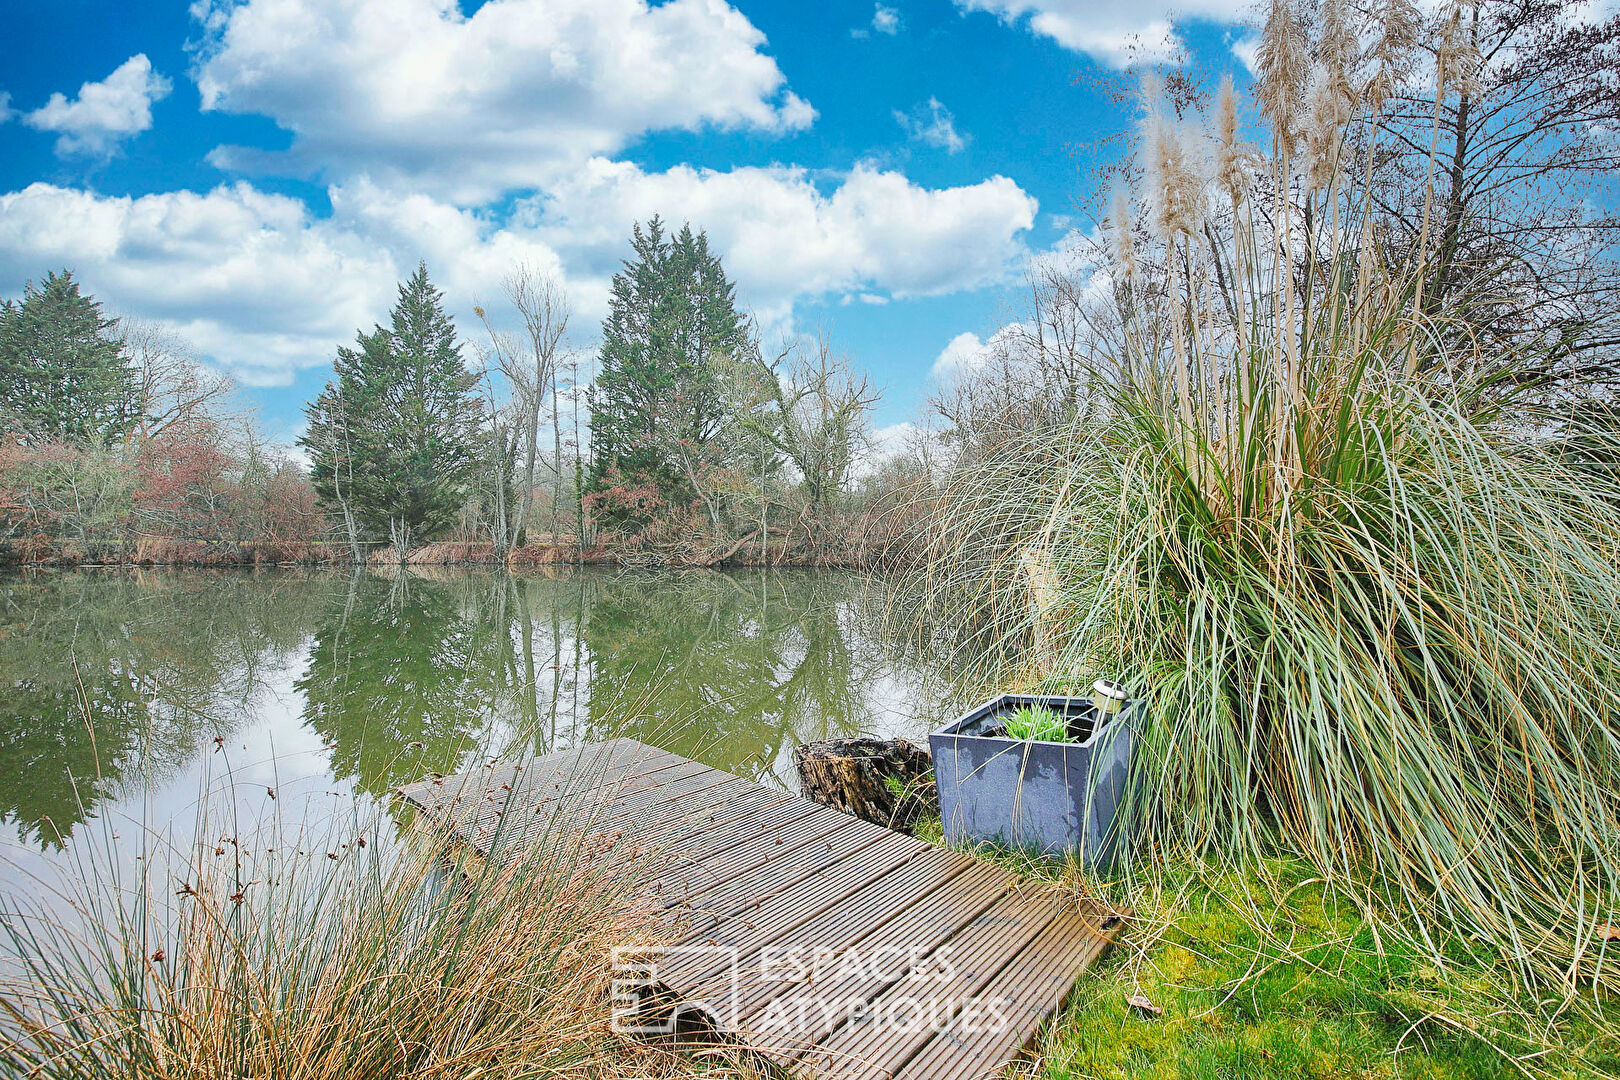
x,y
764,875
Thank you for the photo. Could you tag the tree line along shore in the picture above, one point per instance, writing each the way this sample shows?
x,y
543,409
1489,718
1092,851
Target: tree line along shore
x,y
693,442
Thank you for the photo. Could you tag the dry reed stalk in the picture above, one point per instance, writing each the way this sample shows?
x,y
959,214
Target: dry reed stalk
x,y
329,968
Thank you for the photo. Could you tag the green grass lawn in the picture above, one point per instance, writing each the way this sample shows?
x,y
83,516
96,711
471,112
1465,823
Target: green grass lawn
x,y
1269,975
1316,993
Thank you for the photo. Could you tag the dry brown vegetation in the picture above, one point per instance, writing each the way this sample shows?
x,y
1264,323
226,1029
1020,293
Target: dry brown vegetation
x,y
335,966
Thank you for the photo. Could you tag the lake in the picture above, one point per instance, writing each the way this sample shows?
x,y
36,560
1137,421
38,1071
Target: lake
x,y
129,699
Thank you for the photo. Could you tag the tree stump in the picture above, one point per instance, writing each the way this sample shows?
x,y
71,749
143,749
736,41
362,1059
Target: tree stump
x,y
888,782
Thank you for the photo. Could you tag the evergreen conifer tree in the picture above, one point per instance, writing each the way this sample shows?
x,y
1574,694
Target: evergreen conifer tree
x,y
62,374
394,435
672,314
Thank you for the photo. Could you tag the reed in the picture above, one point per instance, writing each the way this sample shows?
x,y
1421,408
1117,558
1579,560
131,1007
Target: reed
x,y
1371,608
333,965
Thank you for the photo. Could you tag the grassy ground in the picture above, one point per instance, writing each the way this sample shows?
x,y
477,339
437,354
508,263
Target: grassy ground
x,y
1316,993
1269,975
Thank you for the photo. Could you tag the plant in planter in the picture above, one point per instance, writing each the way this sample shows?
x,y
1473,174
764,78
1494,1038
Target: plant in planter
x,y
1037,723
1041,773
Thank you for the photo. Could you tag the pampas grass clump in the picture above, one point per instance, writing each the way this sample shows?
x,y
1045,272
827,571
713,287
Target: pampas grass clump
x,y
1373,614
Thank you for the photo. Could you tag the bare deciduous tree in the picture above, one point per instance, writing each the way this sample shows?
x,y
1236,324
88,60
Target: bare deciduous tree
x,y
171,384
820,421
528,360
1520,239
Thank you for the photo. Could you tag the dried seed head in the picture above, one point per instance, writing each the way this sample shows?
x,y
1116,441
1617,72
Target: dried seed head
x,y
1173,186
1396,24
1282,61
1457,60
1337,52
1329,113
1231,155
1121,238
1149,91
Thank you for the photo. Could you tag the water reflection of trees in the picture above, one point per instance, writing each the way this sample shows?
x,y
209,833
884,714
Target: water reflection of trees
x,y
407,674
401,676
108,679
733,670
417,674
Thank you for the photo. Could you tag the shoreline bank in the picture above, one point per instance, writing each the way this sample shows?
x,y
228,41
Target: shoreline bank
x,y
186,555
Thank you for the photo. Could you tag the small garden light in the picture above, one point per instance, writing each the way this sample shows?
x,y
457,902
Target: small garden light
x,y
1107,697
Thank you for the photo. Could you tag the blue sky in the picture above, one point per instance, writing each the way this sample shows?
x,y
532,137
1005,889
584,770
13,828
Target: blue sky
x,y
257,174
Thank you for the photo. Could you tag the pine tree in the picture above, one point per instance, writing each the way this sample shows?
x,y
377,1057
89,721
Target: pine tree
x,y
62,374
394,435
672,314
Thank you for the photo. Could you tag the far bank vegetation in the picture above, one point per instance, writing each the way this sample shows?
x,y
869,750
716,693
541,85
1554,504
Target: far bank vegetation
x,y
689,440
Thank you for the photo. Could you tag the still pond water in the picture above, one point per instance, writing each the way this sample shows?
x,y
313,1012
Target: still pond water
x,y
128,700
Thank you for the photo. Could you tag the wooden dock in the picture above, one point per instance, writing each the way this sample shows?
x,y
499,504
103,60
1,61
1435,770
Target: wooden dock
x,y
832,945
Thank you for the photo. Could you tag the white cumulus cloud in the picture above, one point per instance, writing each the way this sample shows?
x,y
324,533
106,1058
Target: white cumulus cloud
x,y
265,288
104,113
470,106
875,234
883,444
1109,30
259,285
1247,50
967,352
885,20
964,352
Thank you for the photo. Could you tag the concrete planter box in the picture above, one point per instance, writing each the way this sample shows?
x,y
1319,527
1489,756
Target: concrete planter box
x,y
1049,797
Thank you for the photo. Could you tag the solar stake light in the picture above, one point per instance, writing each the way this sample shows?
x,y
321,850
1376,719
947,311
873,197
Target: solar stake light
x,y
1107,697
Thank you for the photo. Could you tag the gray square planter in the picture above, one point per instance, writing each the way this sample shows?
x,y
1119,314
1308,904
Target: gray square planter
x,y
1048,797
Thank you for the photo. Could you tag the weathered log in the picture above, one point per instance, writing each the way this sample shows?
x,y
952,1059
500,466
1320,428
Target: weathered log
x,y
888,782
716,560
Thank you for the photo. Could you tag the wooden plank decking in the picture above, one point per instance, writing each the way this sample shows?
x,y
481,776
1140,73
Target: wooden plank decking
x,y
931,965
